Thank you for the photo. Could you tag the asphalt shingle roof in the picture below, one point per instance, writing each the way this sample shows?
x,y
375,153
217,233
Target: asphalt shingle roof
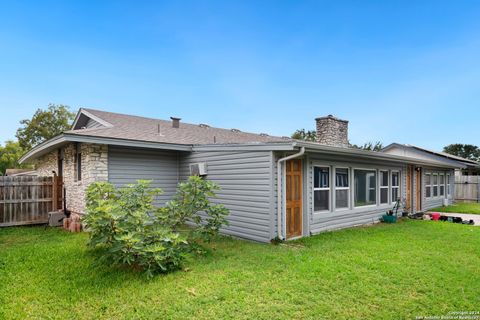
x,y
156,130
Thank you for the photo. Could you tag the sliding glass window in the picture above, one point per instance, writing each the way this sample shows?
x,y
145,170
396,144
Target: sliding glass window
x,y
395,186
321,189
365,184
435,185
342,188
383,187
428,185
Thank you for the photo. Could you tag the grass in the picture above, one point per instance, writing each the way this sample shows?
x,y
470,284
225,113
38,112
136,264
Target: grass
x,y
403,270
461,207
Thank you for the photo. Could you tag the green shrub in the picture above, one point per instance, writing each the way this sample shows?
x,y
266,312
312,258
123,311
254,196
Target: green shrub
x,y
132,231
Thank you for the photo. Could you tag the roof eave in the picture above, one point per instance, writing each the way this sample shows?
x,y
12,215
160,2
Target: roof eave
x,y
375,155
64,138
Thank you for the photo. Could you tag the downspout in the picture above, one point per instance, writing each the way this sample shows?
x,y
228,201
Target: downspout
x,y
279,190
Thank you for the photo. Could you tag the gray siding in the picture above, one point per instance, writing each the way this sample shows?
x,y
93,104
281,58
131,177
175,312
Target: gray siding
x,y
246,181
93,124
127,165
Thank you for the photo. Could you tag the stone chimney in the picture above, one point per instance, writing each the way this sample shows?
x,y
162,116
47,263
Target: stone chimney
x,y
332,131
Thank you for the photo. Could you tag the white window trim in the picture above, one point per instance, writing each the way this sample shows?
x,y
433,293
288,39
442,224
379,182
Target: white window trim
x,y
395,187
329,189
380,187
440,185
447,181
335,188
435,185
428,185
376,189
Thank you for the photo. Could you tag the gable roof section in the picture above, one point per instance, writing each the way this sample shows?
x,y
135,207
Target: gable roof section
x,y
446,157
122,126
84,117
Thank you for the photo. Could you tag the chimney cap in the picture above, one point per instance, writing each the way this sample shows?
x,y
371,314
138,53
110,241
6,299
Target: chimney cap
x,y
331,117
175,122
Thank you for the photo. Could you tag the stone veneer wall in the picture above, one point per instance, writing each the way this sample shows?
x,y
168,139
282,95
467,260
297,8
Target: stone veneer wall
x,y
94,168
332,131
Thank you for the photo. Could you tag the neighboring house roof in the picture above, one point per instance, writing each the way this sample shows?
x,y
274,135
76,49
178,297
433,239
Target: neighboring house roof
x,y
20,172
95,126
450,157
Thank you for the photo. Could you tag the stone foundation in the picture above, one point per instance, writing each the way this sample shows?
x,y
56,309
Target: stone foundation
x,y
94,168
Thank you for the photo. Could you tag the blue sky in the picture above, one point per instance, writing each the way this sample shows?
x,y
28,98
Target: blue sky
x,y
403,71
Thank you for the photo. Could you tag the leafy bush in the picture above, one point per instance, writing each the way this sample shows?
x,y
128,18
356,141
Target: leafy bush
x,y
132,231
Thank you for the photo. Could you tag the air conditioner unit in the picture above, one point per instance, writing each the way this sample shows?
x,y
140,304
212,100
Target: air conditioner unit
x,y
198,169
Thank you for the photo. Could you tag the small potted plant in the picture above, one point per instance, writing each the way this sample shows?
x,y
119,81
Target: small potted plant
x,y
389,217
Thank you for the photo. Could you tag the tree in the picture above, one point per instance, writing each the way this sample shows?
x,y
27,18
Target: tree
x,y
370,146
467,151
9,155
45,124
311,135
306,135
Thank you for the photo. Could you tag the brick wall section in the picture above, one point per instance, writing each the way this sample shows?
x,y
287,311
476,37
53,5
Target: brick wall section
x,y
332,131
94,168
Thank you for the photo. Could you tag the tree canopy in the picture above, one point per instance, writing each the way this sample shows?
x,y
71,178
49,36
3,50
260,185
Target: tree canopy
x,y
45,124
311,135
306,135
467,151
9,156
371,146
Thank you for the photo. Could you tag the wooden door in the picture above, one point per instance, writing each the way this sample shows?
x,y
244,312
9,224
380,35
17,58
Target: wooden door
x,y
408,193
418,190
294,197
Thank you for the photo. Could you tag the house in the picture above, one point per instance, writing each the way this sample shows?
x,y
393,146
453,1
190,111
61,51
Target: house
x,y
470,167
273,186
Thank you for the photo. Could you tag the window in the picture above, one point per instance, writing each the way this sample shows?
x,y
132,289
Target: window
x,y
78,163
365,183
395,185
442,185
448,185
435,185
342,188
428,185
321,188
384,187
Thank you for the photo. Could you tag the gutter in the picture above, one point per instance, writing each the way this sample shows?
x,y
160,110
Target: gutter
x,y
280,208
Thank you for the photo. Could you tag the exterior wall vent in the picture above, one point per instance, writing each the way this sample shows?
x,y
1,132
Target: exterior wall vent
x,y
198,169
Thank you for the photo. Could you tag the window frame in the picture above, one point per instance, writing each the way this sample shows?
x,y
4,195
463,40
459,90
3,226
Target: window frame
x,y
428,185
335,188
447,182
440,185
77,163
435,185
329,189
376,204
397,186
380,187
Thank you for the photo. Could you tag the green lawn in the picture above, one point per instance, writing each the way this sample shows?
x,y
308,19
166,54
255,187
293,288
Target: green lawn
x,y
461,207
402,270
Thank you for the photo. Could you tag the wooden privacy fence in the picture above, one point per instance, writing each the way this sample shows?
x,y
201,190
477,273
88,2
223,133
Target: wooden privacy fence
x,y
467,188
28,199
